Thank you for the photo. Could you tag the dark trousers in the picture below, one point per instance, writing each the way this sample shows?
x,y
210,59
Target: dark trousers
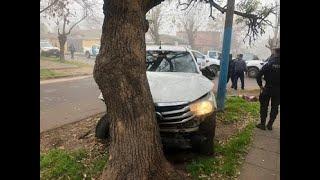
x,y
72,54
264,98
231,76
238,75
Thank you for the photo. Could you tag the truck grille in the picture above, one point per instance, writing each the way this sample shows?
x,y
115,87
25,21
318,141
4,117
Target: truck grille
x,y
173,113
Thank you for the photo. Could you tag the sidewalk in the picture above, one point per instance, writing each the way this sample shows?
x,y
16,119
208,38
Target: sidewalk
x,y
263,159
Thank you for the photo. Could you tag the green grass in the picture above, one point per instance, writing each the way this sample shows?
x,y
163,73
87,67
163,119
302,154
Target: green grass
x,y
47,74
237,108
61,164
228,156
57,60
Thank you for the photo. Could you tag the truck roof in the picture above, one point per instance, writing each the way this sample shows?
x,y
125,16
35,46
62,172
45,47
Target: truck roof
x,y
165,48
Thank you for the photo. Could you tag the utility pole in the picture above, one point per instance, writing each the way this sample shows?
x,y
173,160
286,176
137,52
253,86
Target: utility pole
x,y
225,55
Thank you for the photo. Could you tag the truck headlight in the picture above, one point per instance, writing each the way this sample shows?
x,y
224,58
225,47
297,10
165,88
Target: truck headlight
x,y
204,105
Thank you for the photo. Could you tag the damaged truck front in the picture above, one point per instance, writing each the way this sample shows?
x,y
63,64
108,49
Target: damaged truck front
x,y
184,102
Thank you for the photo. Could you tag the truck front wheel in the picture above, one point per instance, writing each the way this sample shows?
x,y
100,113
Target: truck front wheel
x,y
102,128
253,72
203,142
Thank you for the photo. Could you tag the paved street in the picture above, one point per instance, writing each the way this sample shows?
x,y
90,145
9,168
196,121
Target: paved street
x,y
63,102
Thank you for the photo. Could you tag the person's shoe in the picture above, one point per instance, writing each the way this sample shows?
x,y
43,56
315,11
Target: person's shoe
x,y
261,126
269,126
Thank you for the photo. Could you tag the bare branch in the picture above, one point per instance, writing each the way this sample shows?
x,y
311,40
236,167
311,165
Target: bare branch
x,y
49,6
254,22
76,23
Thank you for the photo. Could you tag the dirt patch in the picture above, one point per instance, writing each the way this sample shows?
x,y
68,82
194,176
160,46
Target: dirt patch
x,y
79,135
225,131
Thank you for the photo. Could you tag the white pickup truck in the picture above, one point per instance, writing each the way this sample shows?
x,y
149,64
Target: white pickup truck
x,y
254,64
92,51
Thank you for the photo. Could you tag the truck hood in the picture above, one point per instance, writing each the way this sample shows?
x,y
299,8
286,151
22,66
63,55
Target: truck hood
x,y
177,87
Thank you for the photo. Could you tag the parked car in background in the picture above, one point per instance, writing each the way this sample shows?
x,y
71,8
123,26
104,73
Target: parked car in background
x,y
184,101
207,65
46,49
213,62
92,51
254,64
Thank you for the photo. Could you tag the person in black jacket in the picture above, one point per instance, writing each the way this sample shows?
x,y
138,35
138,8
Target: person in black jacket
x,y
231,71
240,67
72,50
271,90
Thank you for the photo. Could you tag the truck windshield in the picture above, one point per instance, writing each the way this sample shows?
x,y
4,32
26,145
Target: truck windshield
x,y
169,61
249,57
214,54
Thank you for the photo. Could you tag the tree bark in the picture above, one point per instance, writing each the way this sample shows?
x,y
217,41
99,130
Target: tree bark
x,y
135,150
62,41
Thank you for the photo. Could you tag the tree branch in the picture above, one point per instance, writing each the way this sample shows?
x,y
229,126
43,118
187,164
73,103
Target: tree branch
x,y
76,23
254,22
50,5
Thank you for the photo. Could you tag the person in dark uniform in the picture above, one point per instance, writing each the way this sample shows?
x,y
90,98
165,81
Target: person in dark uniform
x,y
72,50
231,71
240,67
271,90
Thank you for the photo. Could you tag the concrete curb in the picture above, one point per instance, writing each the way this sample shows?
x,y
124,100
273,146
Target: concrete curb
x,y
65,78
91,116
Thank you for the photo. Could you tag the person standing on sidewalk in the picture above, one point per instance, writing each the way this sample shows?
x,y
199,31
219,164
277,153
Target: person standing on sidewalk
x,y
72,50
271,90
231,71
240,67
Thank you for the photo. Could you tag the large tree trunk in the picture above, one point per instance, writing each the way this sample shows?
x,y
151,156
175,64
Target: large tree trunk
x,y
135,150
62,41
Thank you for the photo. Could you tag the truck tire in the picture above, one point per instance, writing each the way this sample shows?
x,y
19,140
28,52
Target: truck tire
x,y
205,146
253,72
102,128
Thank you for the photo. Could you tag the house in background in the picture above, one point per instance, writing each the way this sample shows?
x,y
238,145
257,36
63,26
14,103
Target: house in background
x,y
204,40
167,40
80,39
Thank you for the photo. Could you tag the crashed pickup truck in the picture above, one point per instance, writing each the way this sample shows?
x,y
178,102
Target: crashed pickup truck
x,y
184,102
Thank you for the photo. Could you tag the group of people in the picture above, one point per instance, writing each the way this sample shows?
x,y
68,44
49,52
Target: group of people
x,y
270,72
237,68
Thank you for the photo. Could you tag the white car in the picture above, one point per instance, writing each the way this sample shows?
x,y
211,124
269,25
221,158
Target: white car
x,y
206,64
46,49
183,98
254,64
92,51
214,58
